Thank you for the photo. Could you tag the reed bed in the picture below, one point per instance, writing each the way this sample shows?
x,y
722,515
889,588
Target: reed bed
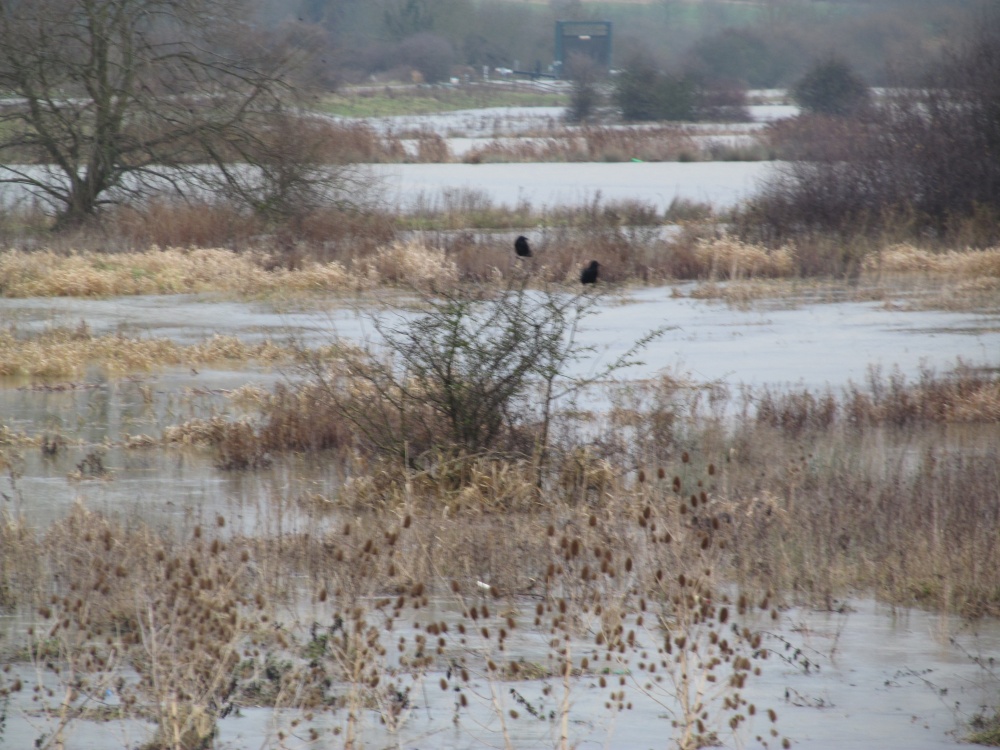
x,y
68,352
623,237
155,271
594,144
88,273
902,258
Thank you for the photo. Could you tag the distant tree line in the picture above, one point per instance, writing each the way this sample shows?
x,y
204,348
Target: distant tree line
x,y
719,43
642,91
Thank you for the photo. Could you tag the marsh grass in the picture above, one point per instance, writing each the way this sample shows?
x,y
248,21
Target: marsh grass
x,y
183,271
729,258
884,486
436,579
623,237
68,352
622,555
156,271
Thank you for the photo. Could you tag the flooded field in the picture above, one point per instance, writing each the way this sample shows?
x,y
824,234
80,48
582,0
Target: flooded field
x,y
861,677
911,498
722,184
865,673
816,345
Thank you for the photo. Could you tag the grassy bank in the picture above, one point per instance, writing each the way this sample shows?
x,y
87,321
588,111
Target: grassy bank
x,y
371,101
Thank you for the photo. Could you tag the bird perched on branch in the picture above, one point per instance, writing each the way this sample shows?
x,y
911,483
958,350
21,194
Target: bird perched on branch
x,y
521,247
589,274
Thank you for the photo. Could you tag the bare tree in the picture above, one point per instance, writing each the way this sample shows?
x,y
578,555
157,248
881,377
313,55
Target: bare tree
x,y
586,75
116,97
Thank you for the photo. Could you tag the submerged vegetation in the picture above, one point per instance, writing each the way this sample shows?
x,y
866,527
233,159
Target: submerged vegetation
x,y
62,352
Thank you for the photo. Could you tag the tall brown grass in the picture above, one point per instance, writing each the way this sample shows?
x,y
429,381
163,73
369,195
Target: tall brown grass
x,y
44,273
67,352
623,237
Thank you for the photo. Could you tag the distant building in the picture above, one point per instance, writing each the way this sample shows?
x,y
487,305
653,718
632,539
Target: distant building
x,y
589,38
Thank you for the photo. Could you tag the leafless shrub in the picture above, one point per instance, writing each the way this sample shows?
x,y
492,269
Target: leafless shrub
x,y
432,148
913,161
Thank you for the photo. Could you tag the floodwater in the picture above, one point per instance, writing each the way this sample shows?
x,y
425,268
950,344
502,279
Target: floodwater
x,y
721,184
808,343
877,677
407,187
813,345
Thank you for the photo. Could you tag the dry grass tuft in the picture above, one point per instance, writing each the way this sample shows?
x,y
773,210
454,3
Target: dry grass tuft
x,y
334,251
178,271
409,263
44,273
730,258
903,258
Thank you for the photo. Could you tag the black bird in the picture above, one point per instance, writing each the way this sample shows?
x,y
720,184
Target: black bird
x,y
589,274
521,247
